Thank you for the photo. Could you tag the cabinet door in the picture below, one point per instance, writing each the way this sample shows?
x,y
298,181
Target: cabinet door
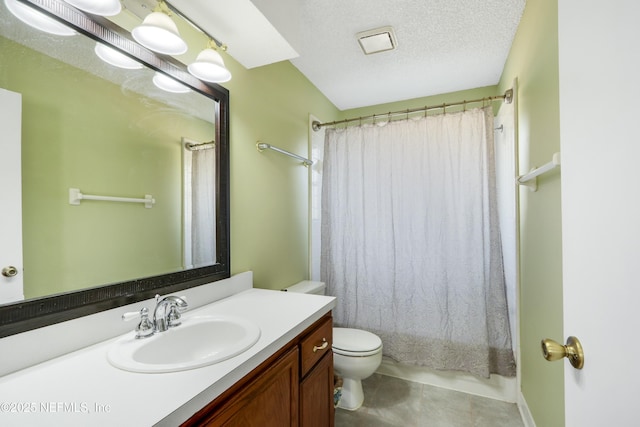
x,y
315,345
316,395
269,401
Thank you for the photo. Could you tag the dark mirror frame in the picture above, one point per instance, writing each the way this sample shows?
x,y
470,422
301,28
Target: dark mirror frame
x,y
36,313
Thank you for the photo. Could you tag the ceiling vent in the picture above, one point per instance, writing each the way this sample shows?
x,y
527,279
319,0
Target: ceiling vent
x,y
378,40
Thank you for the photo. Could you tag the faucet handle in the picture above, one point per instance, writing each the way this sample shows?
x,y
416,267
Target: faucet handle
x,y
130,315
173,318
145,328
183,307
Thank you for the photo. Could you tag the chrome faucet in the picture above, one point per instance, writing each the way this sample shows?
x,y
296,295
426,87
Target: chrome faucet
x,y
167,312
166,315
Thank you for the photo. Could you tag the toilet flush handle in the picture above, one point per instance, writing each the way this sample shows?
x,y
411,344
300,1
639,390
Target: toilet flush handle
x,y
324,345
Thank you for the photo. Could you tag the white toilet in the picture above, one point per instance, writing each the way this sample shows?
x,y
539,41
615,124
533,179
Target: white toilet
x,y
356,353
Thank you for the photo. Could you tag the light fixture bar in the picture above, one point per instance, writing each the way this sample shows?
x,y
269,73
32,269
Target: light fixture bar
x,y
175,10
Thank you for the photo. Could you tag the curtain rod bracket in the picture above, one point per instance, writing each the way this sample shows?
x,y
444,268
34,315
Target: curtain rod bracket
x,y
508,96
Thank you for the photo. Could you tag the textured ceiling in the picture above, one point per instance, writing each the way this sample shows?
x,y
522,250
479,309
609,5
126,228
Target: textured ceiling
x,y
443,45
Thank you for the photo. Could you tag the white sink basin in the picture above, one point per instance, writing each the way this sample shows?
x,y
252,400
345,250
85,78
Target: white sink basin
x,y
199,341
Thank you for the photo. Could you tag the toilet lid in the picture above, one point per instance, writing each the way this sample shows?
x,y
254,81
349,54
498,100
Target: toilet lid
x,y
355,340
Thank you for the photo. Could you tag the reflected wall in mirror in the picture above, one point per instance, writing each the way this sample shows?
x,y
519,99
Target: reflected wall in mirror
x,y
111,131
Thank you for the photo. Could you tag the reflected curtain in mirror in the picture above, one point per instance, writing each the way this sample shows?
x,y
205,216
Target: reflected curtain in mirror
x,y
199,163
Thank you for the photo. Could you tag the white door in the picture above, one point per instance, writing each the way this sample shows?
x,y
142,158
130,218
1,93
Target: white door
x,y
10,197
600,143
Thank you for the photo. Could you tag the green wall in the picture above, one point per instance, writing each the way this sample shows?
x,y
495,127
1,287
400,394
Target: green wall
x,y
533,60
452,97
269,191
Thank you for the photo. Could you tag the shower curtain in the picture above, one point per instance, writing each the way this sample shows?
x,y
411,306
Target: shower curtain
x,y
410,240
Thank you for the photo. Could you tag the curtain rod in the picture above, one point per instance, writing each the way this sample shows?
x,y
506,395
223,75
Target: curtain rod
x,y
507,98
193,145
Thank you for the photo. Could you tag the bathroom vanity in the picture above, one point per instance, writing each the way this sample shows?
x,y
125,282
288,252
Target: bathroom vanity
x,y
278,381
292,387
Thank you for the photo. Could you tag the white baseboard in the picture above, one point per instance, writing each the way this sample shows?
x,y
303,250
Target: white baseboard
x,y
527,418
496,387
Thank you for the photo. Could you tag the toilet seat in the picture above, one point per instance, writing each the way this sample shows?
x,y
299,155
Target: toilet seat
x,y
355,342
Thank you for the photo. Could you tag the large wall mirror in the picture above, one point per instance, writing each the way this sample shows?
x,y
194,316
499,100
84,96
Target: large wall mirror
x,y
92,128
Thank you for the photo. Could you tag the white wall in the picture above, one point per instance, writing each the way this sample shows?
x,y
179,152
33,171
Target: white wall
x,y
316,140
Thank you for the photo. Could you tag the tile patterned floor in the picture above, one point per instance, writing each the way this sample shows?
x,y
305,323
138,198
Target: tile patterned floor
x,y
391,402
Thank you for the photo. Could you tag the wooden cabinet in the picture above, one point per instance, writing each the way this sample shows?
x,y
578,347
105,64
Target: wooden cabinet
x,y
294,387
316,395
271,400
316,372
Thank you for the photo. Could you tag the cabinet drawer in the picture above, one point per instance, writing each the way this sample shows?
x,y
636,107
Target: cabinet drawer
x,y
315,345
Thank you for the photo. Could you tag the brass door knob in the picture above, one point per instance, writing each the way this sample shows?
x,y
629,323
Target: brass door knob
x,y
9,271
552,350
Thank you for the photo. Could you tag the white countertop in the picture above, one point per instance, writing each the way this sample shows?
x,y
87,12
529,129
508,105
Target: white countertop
x,y
82,388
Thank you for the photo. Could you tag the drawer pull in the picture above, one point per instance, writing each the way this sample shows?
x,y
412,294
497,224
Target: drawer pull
x,y
324,345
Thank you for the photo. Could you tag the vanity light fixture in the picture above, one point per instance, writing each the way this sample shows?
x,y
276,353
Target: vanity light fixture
x,y
97,7
37,19
159,33
115,58
209,65
168,84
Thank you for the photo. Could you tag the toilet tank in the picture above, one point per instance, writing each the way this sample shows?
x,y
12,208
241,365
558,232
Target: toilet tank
x,y
307,287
